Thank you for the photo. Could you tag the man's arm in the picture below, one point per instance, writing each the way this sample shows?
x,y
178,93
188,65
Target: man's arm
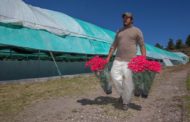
x,y
140,41
112,49
143,50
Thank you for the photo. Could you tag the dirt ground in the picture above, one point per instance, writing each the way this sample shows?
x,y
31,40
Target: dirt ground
x,y
164,104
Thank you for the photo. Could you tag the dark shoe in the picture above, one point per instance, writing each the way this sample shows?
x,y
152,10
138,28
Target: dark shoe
x,y
125,107
108,91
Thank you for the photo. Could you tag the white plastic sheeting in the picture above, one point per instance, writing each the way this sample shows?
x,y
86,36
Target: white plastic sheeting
x,y
19,13
33,17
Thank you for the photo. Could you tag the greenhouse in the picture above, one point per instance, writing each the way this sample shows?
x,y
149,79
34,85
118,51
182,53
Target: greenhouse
x,y
32,34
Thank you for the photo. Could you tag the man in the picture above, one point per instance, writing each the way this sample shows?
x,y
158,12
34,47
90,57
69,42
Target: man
x,y
126,42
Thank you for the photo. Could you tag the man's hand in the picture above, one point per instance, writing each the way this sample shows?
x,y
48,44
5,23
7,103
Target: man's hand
x,y
143,51
111,51
108,59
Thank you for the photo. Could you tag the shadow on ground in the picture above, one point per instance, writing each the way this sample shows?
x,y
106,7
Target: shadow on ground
x,y
104,100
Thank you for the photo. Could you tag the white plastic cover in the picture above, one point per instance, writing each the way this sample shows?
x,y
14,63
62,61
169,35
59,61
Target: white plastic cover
x,y
20,13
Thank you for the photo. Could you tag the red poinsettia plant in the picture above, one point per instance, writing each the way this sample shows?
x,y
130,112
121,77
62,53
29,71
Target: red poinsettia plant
x,y
96,63
140,64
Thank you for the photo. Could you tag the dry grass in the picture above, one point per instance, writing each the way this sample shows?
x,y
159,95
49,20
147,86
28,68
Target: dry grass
x,y
187,99
188,82
187,108
15,96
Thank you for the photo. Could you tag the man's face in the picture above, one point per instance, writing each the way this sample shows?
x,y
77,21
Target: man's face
x,y
127,21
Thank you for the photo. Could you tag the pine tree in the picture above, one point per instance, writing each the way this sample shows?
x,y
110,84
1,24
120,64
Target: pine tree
x,y
187,42
171,45
179,44
158,46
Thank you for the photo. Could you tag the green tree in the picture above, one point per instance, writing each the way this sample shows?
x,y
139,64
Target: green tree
x,y
187,42
158,46
171,45
179,44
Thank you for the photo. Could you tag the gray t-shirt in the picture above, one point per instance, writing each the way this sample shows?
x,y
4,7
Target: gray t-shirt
x,y
126,42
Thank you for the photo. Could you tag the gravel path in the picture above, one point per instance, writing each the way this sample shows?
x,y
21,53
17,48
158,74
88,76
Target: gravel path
x,y
164,104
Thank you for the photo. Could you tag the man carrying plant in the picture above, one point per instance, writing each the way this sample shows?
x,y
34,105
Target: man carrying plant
x,y
126,41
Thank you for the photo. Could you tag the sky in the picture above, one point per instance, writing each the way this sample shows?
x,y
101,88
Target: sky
x,y
159,20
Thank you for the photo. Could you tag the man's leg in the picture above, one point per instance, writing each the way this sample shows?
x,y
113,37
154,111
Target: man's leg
x,y
116,76
128,85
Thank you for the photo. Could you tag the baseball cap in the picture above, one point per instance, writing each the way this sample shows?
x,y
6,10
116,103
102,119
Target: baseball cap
x,y
128,14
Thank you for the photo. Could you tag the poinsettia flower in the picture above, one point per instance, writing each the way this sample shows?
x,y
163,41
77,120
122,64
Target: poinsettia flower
x,y
154,66
140,64
96,63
